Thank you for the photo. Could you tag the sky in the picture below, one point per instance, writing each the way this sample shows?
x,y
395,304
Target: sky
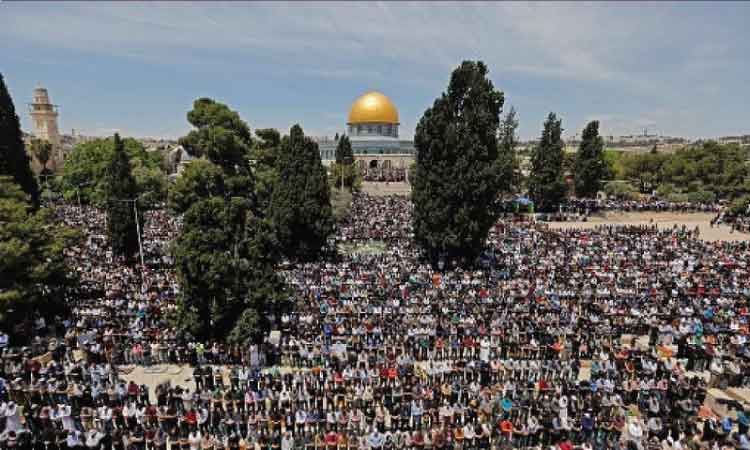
x,y
678,69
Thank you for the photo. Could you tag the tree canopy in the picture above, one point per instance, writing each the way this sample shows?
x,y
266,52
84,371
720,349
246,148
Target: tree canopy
x,y
590,168
225,251
300,208
14,161
458,174
34,276
546,183
265,155
85,170
220,136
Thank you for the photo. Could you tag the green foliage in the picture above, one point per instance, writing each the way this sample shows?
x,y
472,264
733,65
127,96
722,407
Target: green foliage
x,y
208,114
201,179
151,184
350,173
223,138
701,196
740,205
219,136
300,206
264,154
676,197
665,189
269,138
121,192
42,151
546,184
85,169
613,164
458,175
643,169
34,276
344,152
246,327
702,170
590,167
225,252
224,261
14,161
205,254
620,190
711,167
507,159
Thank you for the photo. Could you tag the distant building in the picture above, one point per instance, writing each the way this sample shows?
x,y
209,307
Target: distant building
x,y
44,122
373,129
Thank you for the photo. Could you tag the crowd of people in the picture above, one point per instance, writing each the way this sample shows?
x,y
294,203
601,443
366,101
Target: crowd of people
x,y
643,205
575,209
607,338
392,175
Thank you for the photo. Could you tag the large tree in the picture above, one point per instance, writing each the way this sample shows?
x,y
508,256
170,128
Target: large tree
x,y
34,276
590,168
546,183
229,287
458,175
225,263
220,136
121,194
14,161
301,202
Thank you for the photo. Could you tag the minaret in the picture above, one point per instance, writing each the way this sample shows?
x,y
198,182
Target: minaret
x,y
44,119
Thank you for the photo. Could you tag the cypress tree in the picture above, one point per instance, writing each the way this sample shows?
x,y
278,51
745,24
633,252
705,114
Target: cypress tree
x,y
344,173
344,152
121,193
300,208
14,161
508,163
457,178
590,167
546,184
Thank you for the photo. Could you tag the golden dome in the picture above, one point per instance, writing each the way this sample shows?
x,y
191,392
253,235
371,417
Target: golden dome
x,y
373,107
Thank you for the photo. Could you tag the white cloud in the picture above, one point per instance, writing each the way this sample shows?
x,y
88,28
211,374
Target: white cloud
x,y
644,55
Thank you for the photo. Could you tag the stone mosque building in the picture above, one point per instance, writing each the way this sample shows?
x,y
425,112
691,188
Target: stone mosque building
x,y
372,127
